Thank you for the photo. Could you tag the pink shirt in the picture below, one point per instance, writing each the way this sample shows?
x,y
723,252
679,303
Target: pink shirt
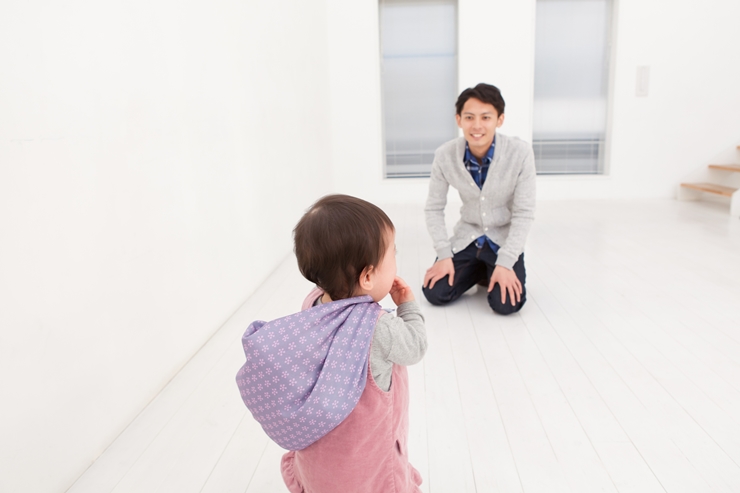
x,y
367,452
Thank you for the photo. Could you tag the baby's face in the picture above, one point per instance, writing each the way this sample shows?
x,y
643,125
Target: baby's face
x,y
385,273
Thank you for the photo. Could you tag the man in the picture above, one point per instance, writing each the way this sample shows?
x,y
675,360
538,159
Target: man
x,y
495,177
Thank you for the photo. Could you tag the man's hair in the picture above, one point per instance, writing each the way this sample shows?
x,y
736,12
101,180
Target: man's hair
x,y
337,238
482,92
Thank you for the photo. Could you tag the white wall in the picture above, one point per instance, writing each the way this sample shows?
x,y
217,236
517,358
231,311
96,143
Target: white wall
x,y
496,45
691,116
689,119
154,157
356,127
355,85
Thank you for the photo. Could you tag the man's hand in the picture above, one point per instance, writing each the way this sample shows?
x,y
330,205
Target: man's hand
x,y
507,280
437,271
401,292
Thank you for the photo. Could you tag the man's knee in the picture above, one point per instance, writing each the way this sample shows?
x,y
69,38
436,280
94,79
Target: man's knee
x,y
506,308
440,294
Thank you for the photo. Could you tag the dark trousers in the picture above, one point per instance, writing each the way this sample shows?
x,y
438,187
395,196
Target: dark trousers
x,y
474,265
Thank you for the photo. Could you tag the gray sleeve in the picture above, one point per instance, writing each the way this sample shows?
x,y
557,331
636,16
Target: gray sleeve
x,y
522,213
434,210
398,339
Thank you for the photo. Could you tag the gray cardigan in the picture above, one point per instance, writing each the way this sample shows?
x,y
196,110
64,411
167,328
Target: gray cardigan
x,y
503,210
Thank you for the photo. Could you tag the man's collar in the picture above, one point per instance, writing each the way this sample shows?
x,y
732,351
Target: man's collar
x,y
468,156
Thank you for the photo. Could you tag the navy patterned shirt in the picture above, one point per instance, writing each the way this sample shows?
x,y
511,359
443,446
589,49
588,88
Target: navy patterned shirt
x,y
479,172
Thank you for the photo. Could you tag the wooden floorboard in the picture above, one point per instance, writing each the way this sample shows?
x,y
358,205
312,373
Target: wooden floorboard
x,y
620,374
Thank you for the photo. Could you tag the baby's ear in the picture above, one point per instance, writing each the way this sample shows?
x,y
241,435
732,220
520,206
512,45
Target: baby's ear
x,y
366,278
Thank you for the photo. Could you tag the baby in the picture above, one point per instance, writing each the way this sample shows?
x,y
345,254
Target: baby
x,y
330,383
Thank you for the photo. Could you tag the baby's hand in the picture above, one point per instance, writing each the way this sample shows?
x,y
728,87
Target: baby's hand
x,y
401,292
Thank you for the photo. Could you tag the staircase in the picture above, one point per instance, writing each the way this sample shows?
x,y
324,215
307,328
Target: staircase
x,y
723,172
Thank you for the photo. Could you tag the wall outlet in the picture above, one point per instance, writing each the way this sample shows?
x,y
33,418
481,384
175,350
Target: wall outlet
x,y
643,81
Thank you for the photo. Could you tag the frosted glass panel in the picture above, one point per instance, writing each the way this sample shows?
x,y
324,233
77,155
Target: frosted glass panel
x,y
419,82
570,85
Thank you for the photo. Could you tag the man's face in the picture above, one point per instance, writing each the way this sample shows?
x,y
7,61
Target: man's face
x,y
479,121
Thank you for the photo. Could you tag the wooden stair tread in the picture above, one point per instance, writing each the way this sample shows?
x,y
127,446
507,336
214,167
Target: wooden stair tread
x,y
726,167
711,188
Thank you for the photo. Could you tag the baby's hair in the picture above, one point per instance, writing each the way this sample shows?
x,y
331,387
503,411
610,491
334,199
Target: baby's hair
x,y
337,238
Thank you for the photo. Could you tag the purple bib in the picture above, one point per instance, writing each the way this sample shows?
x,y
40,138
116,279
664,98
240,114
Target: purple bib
x,y
306,372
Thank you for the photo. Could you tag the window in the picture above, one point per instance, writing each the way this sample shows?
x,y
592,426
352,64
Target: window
x,y
419,82
571,80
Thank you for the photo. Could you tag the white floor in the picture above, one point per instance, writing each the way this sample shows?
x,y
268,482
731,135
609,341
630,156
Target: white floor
x,y
621,373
